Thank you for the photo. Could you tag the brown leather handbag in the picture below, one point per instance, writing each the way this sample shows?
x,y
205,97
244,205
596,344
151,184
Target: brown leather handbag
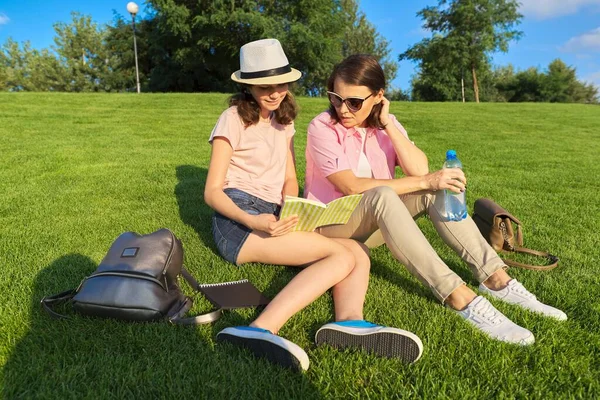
x,y
495,224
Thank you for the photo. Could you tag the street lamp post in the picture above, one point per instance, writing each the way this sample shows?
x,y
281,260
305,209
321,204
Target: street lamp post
x,y
133,10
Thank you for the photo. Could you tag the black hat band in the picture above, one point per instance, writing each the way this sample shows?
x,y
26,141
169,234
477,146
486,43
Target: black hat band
x,y
266,73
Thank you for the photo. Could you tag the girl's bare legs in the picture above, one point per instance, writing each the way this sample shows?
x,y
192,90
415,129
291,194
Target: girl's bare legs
x,y
349,294
331,263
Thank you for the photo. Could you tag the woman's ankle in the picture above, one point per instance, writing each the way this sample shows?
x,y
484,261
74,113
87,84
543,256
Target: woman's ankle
x,y
460,298
498,280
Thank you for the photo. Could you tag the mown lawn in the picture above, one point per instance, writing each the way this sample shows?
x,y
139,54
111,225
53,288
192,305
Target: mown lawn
x,y
76,170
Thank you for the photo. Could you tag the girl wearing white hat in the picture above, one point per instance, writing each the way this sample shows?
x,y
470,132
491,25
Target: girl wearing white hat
x,y
251,170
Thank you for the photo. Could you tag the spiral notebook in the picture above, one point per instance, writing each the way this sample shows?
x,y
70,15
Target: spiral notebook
x,y
236,294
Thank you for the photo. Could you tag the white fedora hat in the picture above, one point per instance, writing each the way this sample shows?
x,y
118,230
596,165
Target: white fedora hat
x,y
263,62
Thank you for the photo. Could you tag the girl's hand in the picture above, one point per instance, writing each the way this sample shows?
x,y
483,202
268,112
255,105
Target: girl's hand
x,y
384,114
269,223
452,179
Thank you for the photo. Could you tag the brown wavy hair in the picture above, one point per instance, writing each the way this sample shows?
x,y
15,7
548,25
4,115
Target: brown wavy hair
x,y
249,110
359,70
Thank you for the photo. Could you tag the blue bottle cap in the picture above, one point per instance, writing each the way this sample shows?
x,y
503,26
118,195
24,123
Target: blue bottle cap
x,y
451,155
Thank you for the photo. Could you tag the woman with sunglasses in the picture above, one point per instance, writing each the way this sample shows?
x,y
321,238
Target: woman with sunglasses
x,y
354,147
251,169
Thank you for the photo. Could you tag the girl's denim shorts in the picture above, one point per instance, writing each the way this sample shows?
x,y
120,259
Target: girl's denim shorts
x,y
230,235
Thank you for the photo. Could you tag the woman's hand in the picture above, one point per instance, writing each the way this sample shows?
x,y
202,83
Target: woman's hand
x,y
269,223
447,178
384,114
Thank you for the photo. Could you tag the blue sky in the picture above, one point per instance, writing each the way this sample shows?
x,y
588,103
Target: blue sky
x,y
566,29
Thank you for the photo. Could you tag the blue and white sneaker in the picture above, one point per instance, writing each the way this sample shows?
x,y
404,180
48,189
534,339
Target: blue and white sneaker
x,y
263,343
381,340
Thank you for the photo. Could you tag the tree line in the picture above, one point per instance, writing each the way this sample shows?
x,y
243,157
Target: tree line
x,y
455,62
186,46
193,46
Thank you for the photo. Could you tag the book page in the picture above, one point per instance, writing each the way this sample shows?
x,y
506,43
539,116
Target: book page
x,y
339,210
308,212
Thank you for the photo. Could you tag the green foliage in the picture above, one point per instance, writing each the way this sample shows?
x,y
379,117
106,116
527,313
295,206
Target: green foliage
x,y
394,94
465,33
25,69
558,84
82,55
197,43
119,46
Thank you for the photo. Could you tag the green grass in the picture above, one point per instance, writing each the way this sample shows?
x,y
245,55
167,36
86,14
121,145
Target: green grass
x,y
78,170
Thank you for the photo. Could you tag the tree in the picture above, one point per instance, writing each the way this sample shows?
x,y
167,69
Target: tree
x,y
561,85
438,78
81,54
558,84
25,69
195,45
469,31
121,56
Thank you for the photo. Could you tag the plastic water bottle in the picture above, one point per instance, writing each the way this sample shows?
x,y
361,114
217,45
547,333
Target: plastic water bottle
x,y
455,203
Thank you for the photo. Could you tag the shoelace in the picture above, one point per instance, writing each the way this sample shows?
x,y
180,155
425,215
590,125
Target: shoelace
x,y
488,312
520,289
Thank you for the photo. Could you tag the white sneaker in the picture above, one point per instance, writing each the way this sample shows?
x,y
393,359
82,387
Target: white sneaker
x,y
515,293
481,313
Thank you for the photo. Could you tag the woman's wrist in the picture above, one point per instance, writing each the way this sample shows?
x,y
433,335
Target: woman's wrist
x,y
425,182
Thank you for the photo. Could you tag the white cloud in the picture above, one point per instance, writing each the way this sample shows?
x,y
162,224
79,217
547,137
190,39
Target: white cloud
x,y
589,41
545,9
4,19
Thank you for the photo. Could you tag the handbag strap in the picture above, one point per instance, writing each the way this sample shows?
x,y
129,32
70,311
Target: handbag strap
x,y
551,258
507,248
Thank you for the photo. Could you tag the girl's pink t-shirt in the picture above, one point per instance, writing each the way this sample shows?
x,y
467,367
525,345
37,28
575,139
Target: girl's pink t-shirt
x,y
259,156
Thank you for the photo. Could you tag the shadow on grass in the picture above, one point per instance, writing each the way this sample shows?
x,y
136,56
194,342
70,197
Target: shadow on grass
x,y
190,199
383,270
101,358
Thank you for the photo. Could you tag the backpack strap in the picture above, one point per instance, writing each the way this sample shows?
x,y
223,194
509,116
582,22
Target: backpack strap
x,y
197,319
48,302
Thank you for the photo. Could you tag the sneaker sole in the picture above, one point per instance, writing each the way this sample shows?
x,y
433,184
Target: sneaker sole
x,y
266,349
407,346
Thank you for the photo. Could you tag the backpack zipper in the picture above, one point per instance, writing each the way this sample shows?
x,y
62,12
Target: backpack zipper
x,y
127,275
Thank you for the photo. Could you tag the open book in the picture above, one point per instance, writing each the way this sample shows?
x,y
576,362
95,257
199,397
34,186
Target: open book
x,y
313,214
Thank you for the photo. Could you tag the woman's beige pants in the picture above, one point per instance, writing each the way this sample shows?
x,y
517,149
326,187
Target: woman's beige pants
x,y
384,217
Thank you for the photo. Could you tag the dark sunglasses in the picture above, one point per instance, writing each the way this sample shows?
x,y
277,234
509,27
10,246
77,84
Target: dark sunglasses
x,y
353,103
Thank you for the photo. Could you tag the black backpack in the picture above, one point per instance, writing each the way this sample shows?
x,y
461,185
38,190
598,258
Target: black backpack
x,y
136,281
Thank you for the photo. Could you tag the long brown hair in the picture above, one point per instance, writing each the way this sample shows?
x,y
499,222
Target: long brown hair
x,y
249,110
359,70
